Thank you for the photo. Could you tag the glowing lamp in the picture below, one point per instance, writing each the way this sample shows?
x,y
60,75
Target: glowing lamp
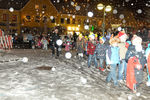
x,y
108,8
100,6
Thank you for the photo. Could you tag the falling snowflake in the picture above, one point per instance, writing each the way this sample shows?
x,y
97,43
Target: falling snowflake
x,y
87,20
139,11
58,1
73,16
124,21
72,3
51,17
78,8
11,9
121,16
90,14
115,11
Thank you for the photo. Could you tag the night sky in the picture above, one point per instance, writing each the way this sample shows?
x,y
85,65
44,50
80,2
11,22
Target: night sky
x,y
140,8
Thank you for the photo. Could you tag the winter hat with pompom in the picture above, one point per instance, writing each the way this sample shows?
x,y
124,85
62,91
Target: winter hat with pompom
x,y
136,40
103,39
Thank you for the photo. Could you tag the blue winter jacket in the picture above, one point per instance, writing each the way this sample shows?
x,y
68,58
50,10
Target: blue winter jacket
x,y
113,55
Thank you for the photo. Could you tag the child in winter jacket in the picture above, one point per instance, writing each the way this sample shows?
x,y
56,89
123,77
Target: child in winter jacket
x,y
80,48
101,52
67,45
112,58
135,58
85,44
45,43
90,50
123,49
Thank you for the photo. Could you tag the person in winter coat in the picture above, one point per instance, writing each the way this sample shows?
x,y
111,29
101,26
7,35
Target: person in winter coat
x,y
44,43
85,44
91,50
113,58
101,52
55,37
123,49
148,63
67,45
80,48
135,57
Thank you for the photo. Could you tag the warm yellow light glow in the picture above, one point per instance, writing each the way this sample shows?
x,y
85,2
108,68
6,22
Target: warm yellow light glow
x,y
77,33
73,28
108,8
77,28
70,33
69,28
100,6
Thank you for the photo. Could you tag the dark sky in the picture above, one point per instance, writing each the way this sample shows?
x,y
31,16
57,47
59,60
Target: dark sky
x,y
140,8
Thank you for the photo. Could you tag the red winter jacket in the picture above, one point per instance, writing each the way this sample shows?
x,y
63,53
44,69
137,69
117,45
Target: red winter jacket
x,y
91,48
130,79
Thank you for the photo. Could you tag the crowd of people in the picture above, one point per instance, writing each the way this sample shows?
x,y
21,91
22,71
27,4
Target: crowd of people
x,y
122,50
119,49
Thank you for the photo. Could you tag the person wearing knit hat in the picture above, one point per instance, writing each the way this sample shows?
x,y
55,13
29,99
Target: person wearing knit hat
x,y
102,39
92,36
135,53
96,37
136,40
123,65
86,37
122,36
101,52
80,35
112,59
91,49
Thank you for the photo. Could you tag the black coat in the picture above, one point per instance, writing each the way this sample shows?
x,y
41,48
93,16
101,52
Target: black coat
x,y
54,38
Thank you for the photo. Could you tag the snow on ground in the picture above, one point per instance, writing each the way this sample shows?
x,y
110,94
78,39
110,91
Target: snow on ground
x,y
67,80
